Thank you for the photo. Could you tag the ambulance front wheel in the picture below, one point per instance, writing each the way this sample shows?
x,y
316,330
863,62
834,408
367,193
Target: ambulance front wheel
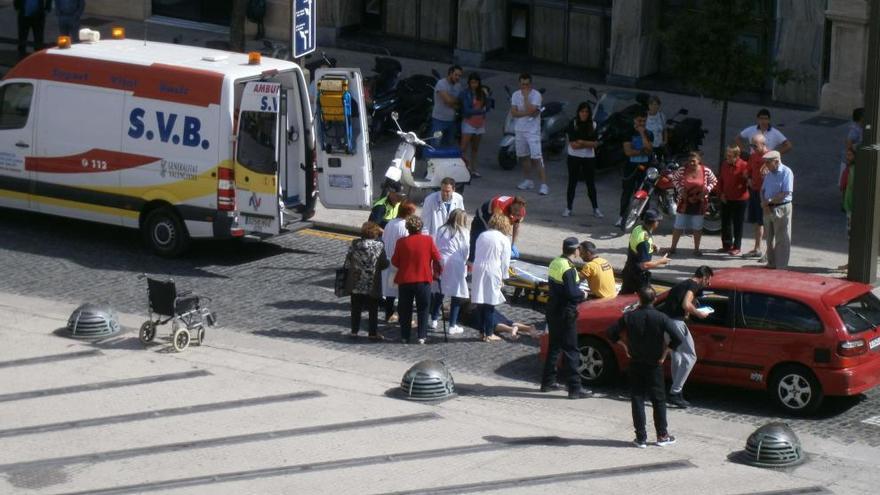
x,y
165,233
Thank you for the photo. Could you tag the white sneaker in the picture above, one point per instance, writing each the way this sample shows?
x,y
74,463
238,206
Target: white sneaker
x,y
455,330
422,342
566,212
544,190
525,185
598,213
433,324
619,222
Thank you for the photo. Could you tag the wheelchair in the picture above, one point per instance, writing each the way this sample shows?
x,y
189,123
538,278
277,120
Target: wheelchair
x,y
183,309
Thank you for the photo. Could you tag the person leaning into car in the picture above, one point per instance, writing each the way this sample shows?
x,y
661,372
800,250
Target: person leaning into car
x,y
639,256
647,330
680,306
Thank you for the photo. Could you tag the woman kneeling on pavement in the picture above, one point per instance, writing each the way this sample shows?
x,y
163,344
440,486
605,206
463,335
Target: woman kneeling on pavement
x,y
491,266
365,261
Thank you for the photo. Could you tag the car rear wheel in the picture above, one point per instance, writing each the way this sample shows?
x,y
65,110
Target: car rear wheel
x,y
598,364
796,390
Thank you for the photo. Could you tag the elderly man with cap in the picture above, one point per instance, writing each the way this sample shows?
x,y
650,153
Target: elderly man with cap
x,y
776,195
562,303
639,255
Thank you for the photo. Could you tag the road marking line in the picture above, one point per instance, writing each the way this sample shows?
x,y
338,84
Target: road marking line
x,y
328,235
50,359
874,420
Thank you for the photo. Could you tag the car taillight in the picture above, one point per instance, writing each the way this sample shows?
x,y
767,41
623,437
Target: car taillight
x,y
850,348
225,189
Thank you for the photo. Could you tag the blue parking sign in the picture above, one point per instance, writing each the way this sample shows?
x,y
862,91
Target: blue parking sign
x,y
304,30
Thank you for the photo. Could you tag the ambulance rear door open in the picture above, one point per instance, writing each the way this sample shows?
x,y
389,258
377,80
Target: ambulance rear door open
x,y
257,157
342,141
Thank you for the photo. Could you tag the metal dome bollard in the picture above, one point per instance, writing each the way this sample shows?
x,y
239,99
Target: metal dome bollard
x,y
773,445
92,321
427,380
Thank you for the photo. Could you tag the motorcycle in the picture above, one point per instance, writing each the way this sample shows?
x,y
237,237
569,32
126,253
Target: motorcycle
x,y
553,123
655,192
440,162
412,98
614,112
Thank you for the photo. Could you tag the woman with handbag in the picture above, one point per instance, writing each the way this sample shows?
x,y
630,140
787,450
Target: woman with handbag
x,y
365,261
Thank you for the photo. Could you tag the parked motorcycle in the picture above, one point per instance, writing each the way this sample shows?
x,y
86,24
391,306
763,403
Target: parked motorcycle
x,y
614,112
439,162
655,192
412,98
553,122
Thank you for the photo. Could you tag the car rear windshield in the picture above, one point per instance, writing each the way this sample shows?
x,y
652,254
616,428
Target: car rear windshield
x,y
860,314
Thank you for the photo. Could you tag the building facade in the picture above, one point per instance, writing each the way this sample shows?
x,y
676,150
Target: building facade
x,y
824,42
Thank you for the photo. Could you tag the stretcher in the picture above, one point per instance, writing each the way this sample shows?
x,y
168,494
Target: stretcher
x,y
529,282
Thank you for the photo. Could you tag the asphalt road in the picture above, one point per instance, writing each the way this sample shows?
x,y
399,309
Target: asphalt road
x,y
283,288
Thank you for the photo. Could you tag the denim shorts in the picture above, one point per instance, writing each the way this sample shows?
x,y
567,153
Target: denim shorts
x,y
688,222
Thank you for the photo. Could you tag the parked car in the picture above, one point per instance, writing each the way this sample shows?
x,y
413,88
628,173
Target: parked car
x,y
799,336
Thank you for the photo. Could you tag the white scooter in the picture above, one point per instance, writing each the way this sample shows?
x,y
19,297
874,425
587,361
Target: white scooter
x,y
441,163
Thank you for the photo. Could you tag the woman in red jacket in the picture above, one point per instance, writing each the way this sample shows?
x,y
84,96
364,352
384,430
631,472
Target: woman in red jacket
x,y
418,263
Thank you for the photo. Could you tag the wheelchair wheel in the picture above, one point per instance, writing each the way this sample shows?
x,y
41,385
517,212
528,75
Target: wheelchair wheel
x,y
201,336
148,332
180,339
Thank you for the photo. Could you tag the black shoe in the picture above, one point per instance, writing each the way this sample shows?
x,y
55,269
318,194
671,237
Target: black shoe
x,y
551,387
580,394
678,401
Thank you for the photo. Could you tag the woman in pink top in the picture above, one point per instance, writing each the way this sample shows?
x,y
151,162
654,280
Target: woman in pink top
x,y
693,183
475,102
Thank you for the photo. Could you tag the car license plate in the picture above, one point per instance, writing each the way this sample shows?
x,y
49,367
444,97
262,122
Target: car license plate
x,y
874,343
257,222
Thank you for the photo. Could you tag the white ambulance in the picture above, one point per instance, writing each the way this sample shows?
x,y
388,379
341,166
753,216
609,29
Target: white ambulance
x,y
181,142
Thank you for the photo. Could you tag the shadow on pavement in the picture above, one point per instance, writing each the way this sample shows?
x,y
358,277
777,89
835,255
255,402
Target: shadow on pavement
x,y
557,441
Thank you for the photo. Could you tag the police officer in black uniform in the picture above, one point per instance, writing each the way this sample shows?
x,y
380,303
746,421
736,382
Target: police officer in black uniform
x,y
562,303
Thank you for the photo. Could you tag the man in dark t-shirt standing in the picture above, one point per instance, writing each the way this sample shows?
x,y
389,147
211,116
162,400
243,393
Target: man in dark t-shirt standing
x,y
647,330
679,307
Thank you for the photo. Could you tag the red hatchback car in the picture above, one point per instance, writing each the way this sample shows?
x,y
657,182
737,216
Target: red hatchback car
x,y
801,337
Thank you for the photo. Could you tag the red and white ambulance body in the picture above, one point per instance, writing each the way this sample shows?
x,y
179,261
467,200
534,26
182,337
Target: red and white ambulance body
x,y
179,141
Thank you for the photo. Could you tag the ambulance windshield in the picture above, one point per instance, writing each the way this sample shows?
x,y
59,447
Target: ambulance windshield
x,y
256,141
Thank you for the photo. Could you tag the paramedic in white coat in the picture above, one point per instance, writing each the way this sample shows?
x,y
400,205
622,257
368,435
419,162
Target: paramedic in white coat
x,y
394,230
453,242
435,211
491,266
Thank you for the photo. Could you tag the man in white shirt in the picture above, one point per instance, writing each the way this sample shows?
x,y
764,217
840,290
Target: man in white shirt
x,y
773,138
525,107
439,204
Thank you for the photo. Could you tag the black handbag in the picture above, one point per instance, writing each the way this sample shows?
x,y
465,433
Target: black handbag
x,y
340,285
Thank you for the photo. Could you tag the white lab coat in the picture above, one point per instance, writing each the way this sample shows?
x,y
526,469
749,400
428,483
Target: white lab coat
x,y
434,213
453,245
491,267
395,230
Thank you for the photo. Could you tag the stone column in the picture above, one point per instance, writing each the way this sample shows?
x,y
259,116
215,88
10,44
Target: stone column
x,y
635,40
799,29
845,89
481,30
